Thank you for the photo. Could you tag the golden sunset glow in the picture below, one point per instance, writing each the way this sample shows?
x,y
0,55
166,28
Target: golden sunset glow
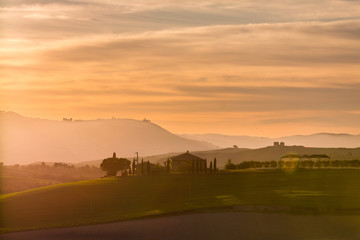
x,y
231,67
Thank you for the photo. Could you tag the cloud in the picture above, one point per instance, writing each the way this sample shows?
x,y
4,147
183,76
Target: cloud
x,y
45,16
182,58
104,17
253,54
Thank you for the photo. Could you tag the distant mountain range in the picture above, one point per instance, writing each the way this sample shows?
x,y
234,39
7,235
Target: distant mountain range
x,y
322,140
26,140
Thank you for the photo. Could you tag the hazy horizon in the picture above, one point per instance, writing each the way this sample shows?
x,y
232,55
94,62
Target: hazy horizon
x,y
177,133
27,140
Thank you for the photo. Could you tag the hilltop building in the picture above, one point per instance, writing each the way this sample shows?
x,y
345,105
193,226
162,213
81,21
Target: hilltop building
x,y
187,162
277,144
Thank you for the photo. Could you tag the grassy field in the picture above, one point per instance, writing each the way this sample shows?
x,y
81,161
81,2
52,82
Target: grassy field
x,y
112,199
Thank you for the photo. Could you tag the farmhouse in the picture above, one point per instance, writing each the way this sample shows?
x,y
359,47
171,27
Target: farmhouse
x,y
307,157
187,162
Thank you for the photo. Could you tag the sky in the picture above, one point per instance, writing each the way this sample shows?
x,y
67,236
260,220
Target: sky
x,y
259,68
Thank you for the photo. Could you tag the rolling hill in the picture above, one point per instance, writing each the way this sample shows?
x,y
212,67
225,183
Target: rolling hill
x,y
237,155
26,140
272,153
320,140
113,199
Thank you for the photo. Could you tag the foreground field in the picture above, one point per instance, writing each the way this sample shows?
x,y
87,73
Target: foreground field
x,y
329,192
229,225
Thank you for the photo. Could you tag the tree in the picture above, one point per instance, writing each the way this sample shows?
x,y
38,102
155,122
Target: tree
x,y
205,166
193,166
142,166
133,167
148,168
214,165
167,166
112,165
230,165
211,168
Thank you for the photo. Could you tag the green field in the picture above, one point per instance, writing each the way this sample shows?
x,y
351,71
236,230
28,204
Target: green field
x,y
114,199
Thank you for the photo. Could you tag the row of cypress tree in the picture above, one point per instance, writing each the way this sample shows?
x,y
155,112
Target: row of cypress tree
x,y
295,164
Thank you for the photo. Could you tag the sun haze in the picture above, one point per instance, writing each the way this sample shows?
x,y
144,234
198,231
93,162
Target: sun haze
x,y
234,67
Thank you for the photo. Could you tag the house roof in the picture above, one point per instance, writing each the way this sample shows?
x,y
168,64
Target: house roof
x,y
185,157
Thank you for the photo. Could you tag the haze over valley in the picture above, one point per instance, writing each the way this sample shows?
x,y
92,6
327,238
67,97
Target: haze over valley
x,y
28,140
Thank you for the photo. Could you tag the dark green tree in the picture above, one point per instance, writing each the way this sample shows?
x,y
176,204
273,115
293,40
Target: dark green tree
x,y
148,168
214,165
210,168
205,170
142,166
229,165
112,165
273,164
133,167
168,166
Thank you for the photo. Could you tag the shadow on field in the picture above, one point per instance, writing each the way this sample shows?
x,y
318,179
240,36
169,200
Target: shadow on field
x,y
228,225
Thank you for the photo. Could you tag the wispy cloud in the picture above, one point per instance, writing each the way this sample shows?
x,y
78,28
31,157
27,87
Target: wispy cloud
x,y
248,61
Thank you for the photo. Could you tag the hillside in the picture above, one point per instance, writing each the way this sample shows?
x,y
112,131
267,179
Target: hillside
x,y
114,199
320,140
26,140
238,155
270,153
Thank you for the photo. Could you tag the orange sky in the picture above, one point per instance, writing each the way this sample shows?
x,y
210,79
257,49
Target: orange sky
x,y
231,67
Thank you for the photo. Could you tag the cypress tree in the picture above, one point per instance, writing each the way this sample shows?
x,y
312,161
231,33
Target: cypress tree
x,y
193,167
168,166
133,167
205,169
210,170
214,165
142,166
148,167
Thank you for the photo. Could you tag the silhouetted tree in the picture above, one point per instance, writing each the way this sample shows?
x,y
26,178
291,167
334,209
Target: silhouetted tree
x,y
211,168
273,164
214,165
133,167
142,166
168,166
205,166
229,165
112,165
148,168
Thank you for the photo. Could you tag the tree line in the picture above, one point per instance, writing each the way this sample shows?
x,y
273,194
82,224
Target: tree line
x,y
113,165
294,164
22,177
